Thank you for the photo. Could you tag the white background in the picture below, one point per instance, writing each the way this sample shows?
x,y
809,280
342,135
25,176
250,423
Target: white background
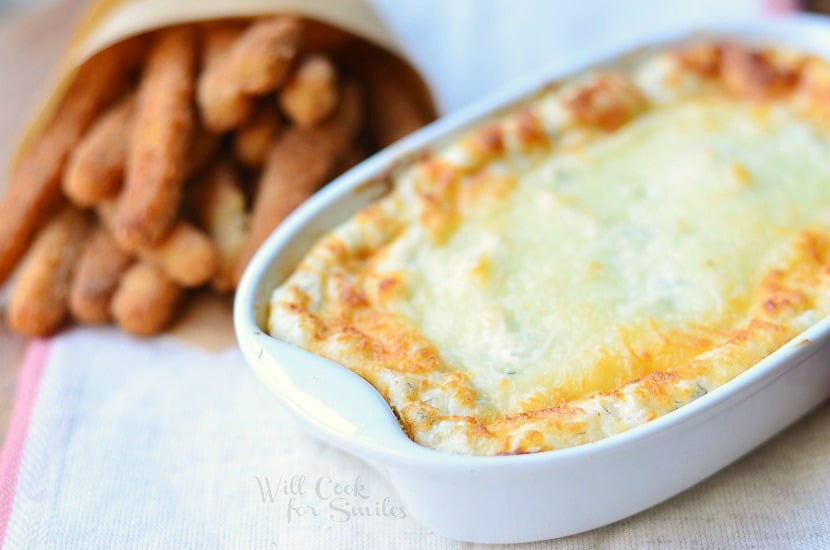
x,y
469,48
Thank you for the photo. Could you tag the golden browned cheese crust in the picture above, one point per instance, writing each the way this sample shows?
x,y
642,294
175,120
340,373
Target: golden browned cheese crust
x,y
620,343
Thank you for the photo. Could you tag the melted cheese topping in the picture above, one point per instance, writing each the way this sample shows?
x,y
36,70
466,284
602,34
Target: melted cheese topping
x,y
668,223
597,256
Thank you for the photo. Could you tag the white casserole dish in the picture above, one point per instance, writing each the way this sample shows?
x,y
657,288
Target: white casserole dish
x,y
535,496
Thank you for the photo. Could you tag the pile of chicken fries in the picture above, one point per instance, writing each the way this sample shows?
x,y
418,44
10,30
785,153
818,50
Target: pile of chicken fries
x,y
173,155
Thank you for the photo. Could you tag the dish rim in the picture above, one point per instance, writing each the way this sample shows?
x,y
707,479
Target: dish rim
x,y
796,30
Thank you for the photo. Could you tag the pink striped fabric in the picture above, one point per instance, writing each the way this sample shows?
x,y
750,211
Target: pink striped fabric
x,y
27,388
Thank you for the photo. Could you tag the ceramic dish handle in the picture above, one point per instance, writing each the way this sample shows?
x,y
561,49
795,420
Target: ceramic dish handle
x,y
331,399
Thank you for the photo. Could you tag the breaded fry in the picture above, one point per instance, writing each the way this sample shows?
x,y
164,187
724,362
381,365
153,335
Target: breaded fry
x,y
231,26
253,139
221,107
100,268
297,165
186,255
348,119
397,103
106,213
145,300
202,148
96,167
159,142
39,299
221,211
256,64
261,59
311,94
321,37
34,185
350,158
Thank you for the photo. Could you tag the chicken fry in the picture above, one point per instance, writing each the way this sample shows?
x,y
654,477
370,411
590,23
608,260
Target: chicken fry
x,y
397,102
39,299
220,210
99,270
296,166
145,300
221,107
186,255
253,139
350,158
256,64
203,146
159,142
321,37
311,94
96,167
261,59
106,213
34,185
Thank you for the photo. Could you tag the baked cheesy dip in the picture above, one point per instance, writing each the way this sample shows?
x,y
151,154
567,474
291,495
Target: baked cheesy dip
x,y
590,259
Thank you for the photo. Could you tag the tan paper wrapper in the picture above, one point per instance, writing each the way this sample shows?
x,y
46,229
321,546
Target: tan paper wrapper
x,y
206,320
